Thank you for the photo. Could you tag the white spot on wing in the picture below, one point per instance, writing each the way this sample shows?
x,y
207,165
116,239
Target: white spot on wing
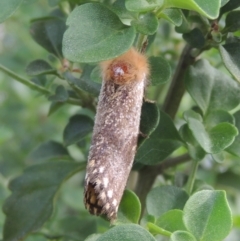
x,y
114,202
110,193
101,169
105,182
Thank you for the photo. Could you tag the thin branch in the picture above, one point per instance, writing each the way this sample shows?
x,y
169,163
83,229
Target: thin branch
x,y
24,81
36,87
177,88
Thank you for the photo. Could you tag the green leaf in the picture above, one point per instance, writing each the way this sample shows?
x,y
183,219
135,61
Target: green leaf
x,y
130,208
195,38
93,237
213,140
95,33
230,54
150,117
48,32
77,128
207,215
160,70
185,27
39,67
162,199
53,3
207,8
218,157
120,9
207,86
143,5
182,236
61,94
54,107
33,193
195,150
84,83
235,147
49,150
223,2
8,7
232,21
146,23
228,180
232,4
162,142
76,228
126,232
174,16
216,117
171,221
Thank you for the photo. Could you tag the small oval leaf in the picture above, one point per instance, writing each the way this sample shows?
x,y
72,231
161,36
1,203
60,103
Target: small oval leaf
x,y
207,215
95,33
77,128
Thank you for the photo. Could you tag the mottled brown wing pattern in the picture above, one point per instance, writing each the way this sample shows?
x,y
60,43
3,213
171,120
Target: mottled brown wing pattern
x,y
115,133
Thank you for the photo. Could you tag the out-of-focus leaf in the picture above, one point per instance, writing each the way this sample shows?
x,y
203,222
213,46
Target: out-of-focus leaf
x,y
213,140
216,117
95,33
161,143
146,24
195,38
143,5
31,202
39,67
194,149
182,236
174,16
8,7
49,150
126,232
160,70
61,94
76,228
230,54
232,21
207,86
77,128
48,32
162,199
233,4
235,147
150,117
84,83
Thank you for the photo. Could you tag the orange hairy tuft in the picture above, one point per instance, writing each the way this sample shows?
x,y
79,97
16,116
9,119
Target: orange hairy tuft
x,y
129,67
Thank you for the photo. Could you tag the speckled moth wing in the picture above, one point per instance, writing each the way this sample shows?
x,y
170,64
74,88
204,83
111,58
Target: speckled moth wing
x,y
115,133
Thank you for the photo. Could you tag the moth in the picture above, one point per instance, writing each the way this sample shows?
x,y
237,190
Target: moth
x,y
115,132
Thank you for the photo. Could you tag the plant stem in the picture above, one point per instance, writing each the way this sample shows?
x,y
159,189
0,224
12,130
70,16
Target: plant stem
x,y
33,86
24,81
191,179
177,88
141,39
157,230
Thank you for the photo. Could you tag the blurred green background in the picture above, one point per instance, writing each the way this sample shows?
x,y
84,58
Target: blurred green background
x,y
24,124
